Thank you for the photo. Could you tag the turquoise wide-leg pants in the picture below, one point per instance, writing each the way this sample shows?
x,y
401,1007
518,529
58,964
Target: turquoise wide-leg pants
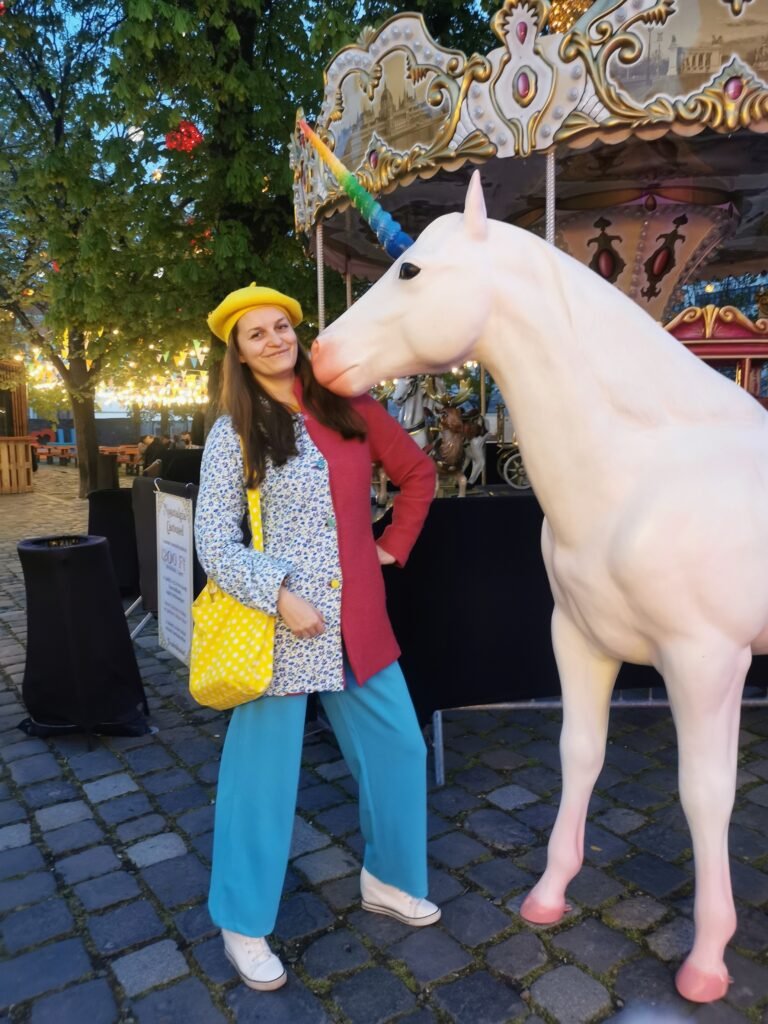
x,y
380,739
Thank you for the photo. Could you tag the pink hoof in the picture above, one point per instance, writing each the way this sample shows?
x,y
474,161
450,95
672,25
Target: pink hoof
x,y
538,913
701,986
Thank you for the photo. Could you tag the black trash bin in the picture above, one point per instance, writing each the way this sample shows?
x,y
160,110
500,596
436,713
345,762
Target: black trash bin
x,y
106,471
81,671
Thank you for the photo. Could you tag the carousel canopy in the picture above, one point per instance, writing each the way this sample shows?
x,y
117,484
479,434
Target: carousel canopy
x,y
655,110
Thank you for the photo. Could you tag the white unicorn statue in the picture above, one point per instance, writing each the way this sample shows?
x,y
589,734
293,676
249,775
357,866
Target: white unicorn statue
x,y
652,471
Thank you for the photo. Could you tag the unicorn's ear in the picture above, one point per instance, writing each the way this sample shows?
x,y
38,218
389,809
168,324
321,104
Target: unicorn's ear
x,y
475,217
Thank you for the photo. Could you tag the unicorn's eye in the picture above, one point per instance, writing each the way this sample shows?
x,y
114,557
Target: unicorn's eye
x,y
408,270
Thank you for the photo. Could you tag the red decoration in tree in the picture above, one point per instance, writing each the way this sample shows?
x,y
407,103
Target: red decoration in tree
x,y
3,9
186,137
55,266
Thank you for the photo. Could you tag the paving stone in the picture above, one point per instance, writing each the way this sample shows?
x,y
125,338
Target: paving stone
x,y
598,948
60,815
540,816
374,996
500,877
186,1001
94,764
517,956
30,889
157,848
91,1001
97,861
293,1004
539,779
430,955
302,915
601,847
342,893
209,773
621,820
442,886
213,961
306,838
340,820
452,801
635,913
480,997
325,865
177,881
11,811
54,791
126,926
750,981
591,888
641,798
123,808
164,782
13,836
36,924
456,850
752,931
745,843
109,787
570,996
649,984
759,795
383,931
38,768
50,967
653,875
500,830
512,797
137,828
20,861
107,890
472,919
749,884
204,846
316,753
181,800
318,798
153,965
25,748
147,759
663,842
195,923
335,953
198,820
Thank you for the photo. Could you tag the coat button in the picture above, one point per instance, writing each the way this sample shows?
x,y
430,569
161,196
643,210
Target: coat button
x,y
330,522
319,464
335,584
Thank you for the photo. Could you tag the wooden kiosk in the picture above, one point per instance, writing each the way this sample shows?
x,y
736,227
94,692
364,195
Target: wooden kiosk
x,y
15,444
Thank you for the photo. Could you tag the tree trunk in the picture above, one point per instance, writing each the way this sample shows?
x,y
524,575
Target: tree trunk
x,y
214,393
136,420
165,419
83,413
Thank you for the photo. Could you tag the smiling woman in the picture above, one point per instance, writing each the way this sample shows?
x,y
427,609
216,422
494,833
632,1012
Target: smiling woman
x,y
309,453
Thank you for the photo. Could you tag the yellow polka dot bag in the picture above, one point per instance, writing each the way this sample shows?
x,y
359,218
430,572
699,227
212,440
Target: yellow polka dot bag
x,y
232,645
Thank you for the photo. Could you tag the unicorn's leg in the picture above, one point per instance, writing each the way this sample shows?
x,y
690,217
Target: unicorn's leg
x,y
705,688
586,679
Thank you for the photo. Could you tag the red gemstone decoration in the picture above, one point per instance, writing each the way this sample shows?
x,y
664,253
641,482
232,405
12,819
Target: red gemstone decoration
x,y
522,31
606,263
660,263
373,158
734,88
186,137
523,85
650,203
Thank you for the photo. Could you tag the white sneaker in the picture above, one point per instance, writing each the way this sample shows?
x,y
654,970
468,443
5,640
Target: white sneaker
x,y
254,961
380,898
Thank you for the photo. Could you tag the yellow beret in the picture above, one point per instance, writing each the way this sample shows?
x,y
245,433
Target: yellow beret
x,y
229,310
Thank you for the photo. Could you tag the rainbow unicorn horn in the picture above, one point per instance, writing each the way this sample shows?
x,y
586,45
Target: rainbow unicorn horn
x,y
388,231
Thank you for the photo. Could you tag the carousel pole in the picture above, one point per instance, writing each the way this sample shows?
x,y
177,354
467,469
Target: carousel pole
x,y
483,406
348,287
550,196
320,275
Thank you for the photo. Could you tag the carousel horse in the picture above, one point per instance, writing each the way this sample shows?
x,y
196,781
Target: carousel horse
x,y
448,449
413,408
476,433
652,471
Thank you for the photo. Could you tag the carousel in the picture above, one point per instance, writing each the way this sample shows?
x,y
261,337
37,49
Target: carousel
x,y
629,133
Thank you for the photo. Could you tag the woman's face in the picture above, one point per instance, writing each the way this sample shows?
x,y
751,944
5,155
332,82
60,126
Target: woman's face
x,y
267,343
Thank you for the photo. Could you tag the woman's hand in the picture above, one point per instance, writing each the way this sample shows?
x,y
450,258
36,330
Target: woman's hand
x,y
384,556
302,618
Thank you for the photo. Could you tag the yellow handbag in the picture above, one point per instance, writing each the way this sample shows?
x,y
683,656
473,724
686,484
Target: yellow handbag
x,y
232,645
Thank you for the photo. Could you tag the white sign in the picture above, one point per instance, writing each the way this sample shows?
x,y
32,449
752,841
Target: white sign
x,y
174,573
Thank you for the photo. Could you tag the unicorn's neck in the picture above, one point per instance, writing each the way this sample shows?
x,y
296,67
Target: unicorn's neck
x,y
586,374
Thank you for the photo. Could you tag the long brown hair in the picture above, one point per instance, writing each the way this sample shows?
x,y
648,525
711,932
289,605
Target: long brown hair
x,y
265,426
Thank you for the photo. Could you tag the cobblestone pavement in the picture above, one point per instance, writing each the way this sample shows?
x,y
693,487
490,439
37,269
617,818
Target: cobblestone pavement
x,y
104,859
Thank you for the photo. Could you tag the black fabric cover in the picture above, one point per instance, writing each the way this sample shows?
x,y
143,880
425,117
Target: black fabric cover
x,y
143,500
472,608
81,668
110,515
182,465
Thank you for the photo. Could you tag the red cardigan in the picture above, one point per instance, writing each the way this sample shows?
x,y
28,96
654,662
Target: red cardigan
x,y
368,638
